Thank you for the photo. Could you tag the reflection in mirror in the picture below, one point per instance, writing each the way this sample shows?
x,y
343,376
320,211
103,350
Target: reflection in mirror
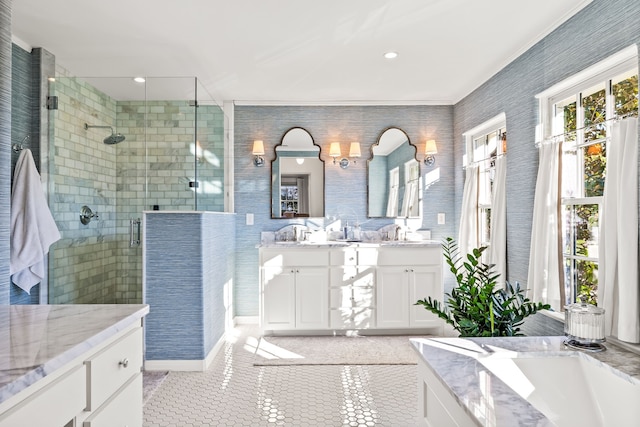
x,y
297,177
393,177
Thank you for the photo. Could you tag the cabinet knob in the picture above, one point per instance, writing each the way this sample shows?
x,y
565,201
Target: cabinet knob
x,y
124,362
406,270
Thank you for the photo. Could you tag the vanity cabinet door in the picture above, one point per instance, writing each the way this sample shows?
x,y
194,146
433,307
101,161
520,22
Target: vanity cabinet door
x,y
424,282
392,297
398,289
295,298
312,298
278,298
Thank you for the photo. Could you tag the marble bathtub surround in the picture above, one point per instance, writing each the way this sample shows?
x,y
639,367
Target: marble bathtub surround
x,y
465,366
42,338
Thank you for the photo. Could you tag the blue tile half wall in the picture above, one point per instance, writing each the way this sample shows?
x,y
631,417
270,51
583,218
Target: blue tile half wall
x,y
188,272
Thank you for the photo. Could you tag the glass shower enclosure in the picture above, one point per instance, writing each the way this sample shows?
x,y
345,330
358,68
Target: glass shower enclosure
x,y
118,147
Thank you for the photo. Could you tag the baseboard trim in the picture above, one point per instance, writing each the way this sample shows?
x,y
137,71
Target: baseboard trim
x,y
186,365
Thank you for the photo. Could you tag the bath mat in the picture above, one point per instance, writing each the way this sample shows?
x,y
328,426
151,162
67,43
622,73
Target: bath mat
x,y
335,350
151,380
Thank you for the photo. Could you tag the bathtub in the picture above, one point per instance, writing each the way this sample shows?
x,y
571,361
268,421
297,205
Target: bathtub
x,y
525,381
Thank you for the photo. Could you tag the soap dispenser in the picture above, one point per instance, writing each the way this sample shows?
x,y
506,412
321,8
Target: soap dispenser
x,y
357,233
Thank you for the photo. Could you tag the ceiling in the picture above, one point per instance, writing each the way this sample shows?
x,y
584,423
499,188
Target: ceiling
x,y
294,51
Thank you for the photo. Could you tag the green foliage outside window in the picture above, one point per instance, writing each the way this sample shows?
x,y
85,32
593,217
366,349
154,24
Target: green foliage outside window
x,y
594,160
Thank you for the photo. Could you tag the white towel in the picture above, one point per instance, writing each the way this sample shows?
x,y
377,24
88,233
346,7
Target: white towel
x,y
33,229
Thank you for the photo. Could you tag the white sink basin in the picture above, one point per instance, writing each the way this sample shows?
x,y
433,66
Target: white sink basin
x,y
572,390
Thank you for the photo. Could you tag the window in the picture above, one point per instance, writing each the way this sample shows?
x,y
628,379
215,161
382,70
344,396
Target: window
x,y
582,116
484,144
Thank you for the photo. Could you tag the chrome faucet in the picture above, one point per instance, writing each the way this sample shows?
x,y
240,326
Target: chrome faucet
x,y
397,231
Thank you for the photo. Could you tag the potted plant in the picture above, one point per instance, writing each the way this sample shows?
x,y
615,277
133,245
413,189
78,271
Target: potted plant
x,y
475,307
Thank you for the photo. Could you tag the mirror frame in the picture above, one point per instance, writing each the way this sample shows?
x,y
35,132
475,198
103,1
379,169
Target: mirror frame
x,y
275,157
371,157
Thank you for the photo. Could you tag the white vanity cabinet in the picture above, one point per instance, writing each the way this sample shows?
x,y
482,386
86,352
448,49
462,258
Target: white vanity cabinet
x,y
294,289
405,275
101,386
337,287
352,287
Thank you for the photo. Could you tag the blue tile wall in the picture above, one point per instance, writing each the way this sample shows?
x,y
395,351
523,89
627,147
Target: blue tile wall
x,y
24,121
188,259
5,145
345,189
599,30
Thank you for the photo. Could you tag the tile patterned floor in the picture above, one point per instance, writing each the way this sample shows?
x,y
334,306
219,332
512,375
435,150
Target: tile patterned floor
x,y
233,392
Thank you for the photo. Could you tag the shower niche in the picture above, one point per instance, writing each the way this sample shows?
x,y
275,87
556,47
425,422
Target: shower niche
x,y
124,147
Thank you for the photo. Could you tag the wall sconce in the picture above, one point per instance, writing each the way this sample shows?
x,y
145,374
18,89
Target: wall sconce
x,y
430,150
258,153
335,152
354,151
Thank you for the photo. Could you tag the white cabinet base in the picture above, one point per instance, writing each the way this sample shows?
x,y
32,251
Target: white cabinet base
x,y
335,289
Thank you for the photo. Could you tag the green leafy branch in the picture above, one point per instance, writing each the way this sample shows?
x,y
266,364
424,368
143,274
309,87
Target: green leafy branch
x,y
475,307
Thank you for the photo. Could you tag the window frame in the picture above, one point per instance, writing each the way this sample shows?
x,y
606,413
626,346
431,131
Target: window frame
x,y
498,126
601,74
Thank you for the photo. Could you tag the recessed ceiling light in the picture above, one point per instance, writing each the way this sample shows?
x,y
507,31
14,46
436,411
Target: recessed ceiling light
x,y
391,55
139,79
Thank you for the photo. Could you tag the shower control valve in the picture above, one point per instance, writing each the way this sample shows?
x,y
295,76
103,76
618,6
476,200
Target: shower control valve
x,y
86,215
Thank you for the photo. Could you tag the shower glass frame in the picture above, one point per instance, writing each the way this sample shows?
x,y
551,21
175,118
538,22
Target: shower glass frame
x,y
172,159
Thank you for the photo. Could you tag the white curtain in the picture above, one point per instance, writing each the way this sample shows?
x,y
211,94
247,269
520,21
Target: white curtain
x,y
498,237
543,282
468,233
618,284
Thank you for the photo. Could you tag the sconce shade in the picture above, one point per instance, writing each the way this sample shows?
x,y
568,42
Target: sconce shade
x,y
258,148
430,147
354,149
334,149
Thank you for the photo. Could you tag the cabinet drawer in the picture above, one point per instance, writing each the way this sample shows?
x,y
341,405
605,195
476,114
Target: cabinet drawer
x,y
295,257
55,404
122,409
109,369
352,318
410,256
354,256
352,297
352,276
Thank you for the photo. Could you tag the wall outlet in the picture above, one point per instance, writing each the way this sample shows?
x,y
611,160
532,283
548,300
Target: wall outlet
x,y
441,219
249,219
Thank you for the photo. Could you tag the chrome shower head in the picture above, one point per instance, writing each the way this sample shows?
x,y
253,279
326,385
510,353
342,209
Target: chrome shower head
x,y
112,139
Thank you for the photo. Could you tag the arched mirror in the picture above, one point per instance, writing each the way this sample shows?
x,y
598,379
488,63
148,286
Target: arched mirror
x,y
297,177
393,177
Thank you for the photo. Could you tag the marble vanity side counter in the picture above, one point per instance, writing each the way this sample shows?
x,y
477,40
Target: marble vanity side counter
x,y
458,365
39,339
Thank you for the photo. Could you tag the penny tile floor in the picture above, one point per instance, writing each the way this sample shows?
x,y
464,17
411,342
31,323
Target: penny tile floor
x,y
233,392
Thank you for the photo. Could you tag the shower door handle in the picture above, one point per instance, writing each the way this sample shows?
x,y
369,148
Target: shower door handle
x,y
134,232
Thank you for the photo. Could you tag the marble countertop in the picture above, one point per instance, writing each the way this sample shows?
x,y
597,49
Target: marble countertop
x,y
461,365
38,339
362,244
